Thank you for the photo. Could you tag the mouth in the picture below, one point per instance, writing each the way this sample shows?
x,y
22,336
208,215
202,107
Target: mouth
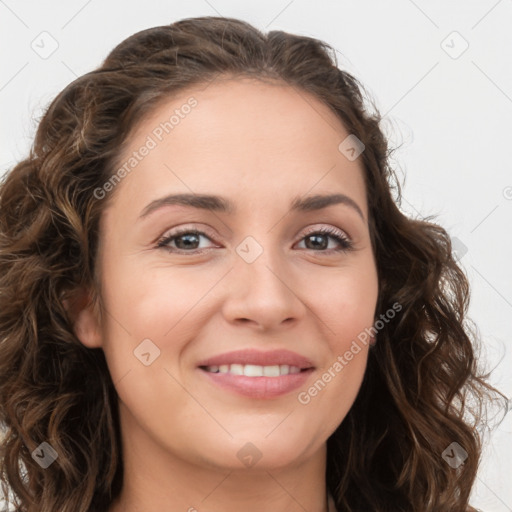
x,y
254,370
257,374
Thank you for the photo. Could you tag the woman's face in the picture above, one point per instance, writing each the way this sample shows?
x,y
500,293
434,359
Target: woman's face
x,y
251,272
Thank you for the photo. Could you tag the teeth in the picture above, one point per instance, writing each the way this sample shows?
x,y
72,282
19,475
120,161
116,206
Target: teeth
x,y
237,369
284,369
254,370
271,371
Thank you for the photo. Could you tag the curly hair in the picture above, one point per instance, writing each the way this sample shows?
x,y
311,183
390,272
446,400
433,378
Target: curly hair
x,y
422,389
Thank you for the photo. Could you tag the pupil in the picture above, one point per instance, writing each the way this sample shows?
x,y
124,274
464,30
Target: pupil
x,y
188,243
316,244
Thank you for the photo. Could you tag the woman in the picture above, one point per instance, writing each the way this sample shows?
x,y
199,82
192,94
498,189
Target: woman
x,y
211,301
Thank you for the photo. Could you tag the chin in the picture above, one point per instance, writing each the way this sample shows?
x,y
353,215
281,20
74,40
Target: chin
x,y
263,451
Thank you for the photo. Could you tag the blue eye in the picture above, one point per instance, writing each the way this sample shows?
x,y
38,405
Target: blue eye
x,y
187,241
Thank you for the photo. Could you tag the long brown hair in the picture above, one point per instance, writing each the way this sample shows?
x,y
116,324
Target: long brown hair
x,y
387,455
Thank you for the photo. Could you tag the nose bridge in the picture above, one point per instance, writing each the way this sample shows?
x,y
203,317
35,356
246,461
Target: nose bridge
x,y
260,287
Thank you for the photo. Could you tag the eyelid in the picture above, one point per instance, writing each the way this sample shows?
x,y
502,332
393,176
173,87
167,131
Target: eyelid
x,y
329,228
208,231
188,228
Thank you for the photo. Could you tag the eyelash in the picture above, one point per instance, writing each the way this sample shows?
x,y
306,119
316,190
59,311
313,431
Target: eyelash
x,y
345,243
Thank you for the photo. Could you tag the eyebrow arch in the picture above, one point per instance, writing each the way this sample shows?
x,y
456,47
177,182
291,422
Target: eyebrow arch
x,y
223,205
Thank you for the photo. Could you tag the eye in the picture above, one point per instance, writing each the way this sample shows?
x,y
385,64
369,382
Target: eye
x,y
184,240
188,240
318,240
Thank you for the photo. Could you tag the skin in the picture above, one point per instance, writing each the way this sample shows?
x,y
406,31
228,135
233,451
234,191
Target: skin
x,y
259,145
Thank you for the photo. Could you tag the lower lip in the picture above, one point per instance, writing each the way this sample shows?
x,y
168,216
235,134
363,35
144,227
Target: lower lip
x,y
259,387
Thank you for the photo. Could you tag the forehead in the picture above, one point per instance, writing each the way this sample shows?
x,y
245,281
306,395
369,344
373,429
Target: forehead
x,y
239,137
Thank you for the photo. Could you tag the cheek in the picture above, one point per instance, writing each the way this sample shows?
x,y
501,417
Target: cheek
x,y
151,301
148,324
346,308
345,300
158,304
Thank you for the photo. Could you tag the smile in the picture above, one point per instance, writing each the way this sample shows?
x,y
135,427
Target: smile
x,y
253,370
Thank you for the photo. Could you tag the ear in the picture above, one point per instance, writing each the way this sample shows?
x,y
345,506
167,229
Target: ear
x,y
84,317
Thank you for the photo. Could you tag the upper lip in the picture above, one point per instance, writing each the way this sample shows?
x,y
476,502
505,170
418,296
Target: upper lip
x,y
260,358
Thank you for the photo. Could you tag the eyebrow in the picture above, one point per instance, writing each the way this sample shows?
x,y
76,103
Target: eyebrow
x,y
223,205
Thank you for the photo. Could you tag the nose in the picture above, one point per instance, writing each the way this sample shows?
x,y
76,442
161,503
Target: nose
x,y
264,294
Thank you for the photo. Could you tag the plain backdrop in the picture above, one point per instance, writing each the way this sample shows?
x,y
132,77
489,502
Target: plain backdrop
x,y
441,72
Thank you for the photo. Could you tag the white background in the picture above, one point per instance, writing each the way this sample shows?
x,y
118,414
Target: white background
x,y
451,113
